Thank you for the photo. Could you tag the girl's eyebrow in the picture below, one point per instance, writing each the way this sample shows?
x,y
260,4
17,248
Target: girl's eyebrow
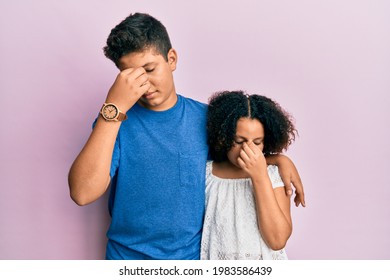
x,y
242,137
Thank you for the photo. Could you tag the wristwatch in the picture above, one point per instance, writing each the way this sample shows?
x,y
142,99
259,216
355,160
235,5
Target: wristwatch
x,y
110,112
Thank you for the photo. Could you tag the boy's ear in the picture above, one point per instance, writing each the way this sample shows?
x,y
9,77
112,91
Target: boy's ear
x,y
172,59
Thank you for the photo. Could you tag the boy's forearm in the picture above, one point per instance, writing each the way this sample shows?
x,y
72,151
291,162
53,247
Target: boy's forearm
x,y
89,175
275,159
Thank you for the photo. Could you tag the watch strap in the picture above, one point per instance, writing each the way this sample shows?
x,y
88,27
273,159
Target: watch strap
x,y
121,116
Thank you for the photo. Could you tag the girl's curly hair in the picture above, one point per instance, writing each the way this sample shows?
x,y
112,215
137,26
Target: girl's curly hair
x,y
227,107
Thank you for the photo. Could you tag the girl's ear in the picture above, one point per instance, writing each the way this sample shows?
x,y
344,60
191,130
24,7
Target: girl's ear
x,y
172,59
219,145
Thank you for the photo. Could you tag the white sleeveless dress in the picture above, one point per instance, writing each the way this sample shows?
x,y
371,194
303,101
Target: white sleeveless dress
x,y
230,229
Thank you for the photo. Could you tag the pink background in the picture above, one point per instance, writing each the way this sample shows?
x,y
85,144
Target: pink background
x,y
327,62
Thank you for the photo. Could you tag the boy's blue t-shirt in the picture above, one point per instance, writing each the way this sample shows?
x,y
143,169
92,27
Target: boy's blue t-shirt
x,y
158,183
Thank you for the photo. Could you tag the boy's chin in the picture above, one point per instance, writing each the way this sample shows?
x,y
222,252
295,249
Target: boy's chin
x,y
149,104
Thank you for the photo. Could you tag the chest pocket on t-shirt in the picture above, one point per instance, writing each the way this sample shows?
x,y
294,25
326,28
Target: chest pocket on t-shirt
x,y
192,168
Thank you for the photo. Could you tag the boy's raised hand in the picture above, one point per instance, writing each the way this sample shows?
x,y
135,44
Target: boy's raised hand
x,y
129,86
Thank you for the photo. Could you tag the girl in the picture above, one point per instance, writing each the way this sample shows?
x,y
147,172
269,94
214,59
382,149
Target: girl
x,y
247,210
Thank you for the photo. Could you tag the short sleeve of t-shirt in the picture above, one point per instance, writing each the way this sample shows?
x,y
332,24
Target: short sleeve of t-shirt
x,y
273,173
115,159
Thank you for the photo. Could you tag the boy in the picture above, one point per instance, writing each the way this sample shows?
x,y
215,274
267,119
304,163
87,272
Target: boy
x,y
149,145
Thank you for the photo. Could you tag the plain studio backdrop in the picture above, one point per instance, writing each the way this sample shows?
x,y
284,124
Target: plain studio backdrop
x,y
326,62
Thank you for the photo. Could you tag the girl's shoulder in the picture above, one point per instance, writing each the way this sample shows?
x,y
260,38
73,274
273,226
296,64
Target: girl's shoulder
x,y
274,176
209,167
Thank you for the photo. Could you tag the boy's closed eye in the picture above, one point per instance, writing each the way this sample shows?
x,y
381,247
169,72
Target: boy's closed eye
x,y
149,67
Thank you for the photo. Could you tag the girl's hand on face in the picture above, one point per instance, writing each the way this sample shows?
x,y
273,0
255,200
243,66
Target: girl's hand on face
x,y
252,160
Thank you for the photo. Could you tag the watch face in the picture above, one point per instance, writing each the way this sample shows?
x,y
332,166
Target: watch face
x,y
109,112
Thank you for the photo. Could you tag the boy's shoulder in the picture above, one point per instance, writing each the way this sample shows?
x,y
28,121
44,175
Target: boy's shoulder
x,y
193,102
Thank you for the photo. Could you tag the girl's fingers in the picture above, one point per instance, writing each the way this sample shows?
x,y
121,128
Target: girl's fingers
x,y
241,163
248,149
254,149
244,156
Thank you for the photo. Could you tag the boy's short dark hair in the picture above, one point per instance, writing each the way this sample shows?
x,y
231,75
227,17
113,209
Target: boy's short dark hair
x,y
137,33
226,108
